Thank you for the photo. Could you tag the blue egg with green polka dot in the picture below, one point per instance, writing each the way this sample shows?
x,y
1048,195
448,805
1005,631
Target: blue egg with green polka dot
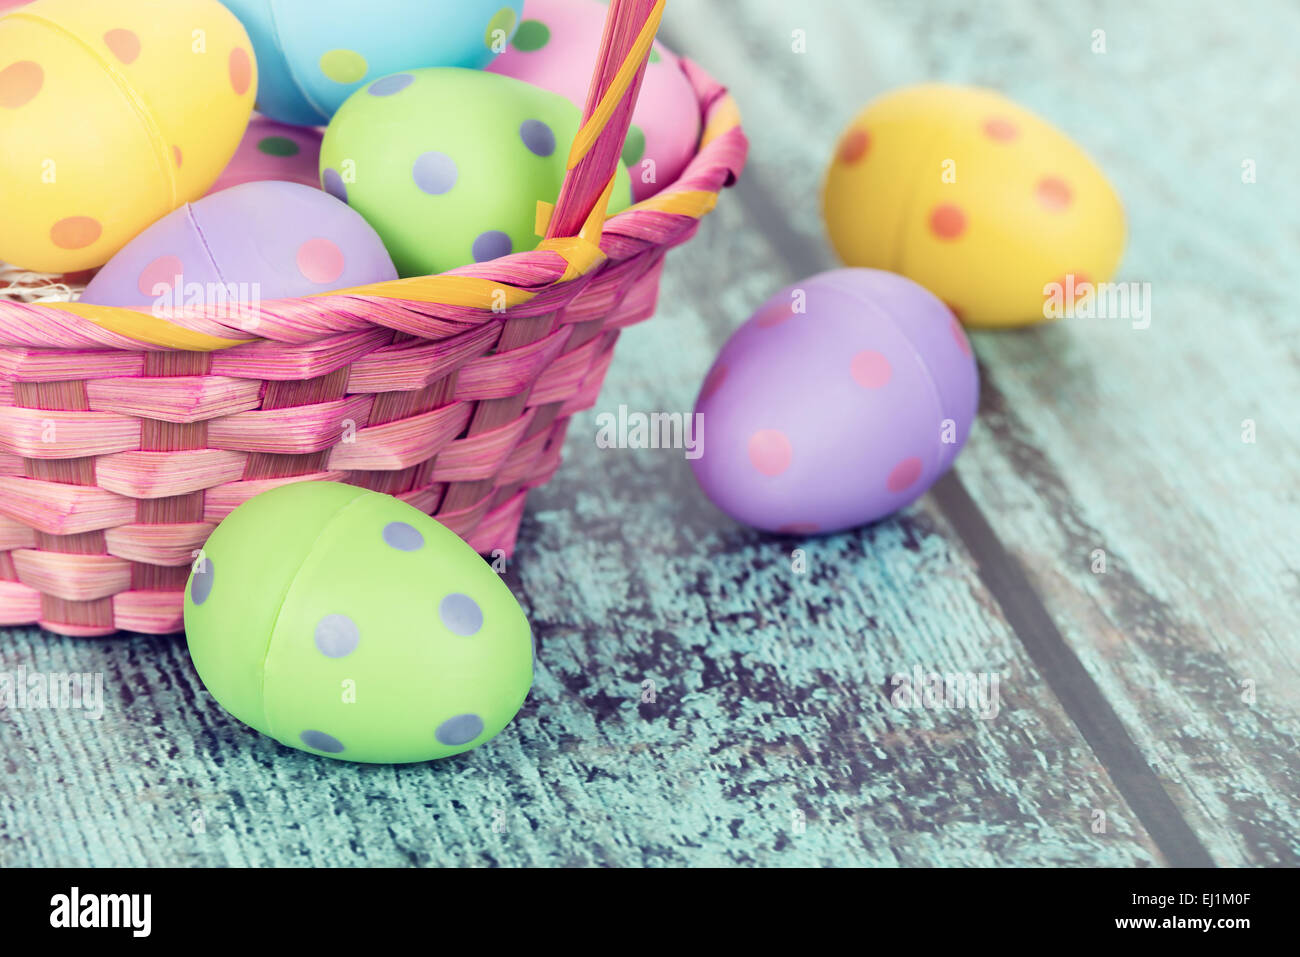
x,y
313,54
347,624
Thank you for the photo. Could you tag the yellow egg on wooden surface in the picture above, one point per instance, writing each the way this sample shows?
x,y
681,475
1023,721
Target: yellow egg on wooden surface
x,y
974,197
112,114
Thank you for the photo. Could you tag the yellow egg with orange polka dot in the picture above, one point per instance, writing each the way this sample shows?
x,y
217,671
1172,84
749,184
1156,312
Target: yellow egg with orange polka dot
x,y
113,113
974,197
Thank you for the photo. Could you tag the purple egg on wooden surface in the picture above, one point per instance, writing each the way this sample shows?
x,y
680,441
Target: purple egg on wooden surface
x,y
255,242
839,402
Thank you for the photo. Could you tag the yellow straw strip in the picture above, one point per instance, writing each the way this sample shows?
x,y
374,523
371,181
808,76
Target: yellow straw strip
x,y
694,203
592,129
583,252
146,328
724,118
468,291
581,255
595,224
545,211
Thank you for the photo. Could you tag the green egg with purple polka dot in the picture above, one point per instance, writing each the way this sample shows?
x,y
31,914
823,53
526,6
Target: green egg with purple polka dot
x,y
448,165
348,624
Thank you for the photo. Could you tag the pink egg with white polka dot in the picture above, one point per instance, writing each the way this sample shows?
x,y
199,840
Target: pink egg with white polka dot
x,y
554,47
841,401
252,243
272,150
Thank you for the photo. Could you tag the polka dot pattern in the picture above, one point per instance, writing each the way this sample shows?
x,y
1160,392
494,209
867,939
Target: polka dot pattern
x,y
855,146
947,221
799,528
538,137
344,66
499,27
334,185
532,35
20,83
320,261
774,315
391,85
76,232
1054,194
320,741
403,537
770,452
492,245
280,146
959,334
124,44
202,580
905,474
826,422
634,146
870,369
459,730
957,178
435,173
1072,286
163,271
337,636
1001,130
461,614
241,70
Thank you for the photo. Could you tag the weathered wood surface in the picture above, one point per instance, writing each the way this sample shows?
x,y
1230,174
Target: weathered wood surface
x,y
771,738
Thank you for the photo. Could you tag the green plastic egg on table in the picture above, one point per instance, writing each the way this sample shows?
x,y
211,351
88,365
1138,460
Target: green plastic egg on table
x,y
448,164
346,623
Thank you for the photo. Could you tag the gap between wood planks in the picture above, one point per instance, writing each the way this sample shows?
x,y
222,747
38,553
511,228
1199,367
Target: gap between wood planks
x,y
1021,606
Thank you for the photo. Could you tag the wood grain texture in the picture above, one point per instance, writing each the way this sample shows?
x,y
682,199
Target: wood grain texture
x,y
1095,435
771,739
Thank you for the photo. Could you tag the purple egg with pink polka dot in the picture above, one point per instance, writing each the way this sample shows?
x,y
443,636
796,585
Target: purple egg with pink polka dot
x,y
840,402
256,242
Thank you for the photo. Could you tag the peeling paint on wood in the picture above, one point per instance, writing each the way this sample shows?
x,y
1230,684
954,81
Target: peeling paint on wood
x,y
698,700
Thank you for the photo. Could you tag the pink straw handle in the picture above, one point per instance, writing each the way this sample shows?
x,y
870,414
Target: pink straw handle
x,y
590,174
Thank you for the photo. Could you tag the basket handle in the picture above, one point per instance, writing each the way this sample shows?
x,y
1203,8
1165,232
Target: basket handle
x,y
630,29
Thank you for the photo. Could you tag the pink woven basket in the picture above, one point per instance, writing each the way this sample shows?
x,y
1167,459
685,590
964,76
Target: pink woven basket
x,y
125,438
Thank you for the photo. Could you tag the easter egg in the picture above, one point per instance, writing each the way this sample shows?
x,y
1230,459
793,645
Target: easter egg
x,y
259,241
315,53
272,150
839,402
974,197
448,165
347,623
112,114
555,47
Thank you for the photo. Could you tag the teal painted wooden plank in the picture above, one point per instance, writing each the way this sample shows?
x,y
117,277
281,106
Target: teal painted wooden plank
x,y
771,739
1097,435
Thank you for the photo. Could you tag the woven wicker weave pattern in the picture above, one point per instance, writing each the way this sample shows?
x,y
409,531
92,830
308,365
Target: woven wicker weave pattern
x,y
119,455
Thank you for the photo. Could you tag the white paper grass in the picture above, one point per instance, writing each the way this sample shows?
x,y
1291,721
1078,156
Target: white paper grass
x,y
20,285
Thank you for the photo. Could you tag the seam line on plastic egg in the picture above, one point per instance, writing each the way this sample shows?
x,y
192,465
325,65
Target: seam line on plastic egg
x,y
909,206
879,310
929,378
137,103
284,597
203,241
